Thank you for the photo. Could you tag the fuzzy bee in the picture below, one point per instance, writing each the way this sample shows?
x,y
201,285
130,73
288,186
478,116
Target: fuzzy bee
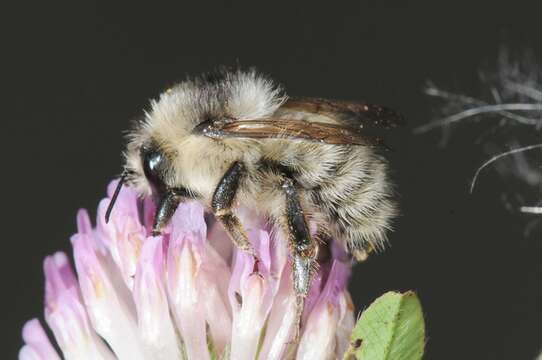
x,y
234,137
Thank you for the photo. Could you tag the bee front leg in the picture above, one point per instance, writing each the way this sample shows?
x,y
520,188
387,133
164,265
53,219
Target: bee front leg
x,y
304,249
222,206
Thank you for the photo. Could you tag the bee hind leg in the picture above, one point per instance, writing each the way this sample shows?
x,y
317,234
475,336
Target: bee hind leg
x,y
304,249
222,206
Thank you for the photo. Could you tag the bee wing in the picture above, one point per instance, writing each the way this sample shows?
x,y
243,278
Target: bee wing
x,y
356,115
283,128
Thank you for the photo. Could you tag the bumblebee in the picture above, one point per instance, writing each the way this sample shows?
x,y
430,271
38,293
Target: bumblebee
x,y
235,138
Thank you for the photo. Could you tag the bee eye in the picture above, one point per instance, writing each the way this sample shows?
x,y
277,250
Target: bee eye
x,y
154,167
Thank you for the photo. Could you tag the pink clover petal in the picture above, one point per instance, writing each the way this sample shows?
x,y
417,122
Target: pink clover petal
x,y
75,337
149,209
110,308
335,283
84,226
220,241
188,223
29,353
66,315
123,235
59,277
126,208
37,345
313,295
186,292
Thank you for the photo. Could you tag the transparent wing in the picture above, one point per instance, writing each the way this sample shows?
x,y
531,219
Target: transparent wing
x,y
357,115
281,128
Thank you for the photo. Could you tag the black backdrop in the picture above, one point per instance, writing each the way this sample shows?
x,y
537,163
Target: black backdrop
x,y
75,73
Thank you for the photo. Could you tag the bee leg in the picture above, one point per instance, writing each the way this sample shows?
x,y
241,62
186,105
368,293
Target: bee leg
x,y
222,206
166,208
304,249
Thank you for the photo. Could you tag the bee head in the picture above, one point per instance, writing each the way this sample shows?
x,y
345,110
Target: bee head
x,y
151,155
152,169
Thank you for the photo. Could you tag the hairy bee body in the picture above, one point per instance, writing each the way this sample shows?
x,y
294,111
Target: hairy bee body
x,y
343,188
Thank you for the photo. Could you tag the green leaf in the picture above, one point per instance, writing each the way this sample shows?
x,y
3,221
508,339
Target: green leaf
x,y
391,328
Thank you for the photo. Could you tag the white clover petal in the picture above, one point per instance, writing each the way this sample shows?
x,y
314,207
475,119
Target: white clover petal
x,y
75,338
318,339
346,324
183,266
66,315
110,308
248,322
155,326
251,293
213,279
281,324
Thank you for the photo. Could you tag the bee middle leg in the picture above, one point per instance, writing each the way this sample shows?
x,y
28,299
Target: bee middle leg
x,y
303,247
222,206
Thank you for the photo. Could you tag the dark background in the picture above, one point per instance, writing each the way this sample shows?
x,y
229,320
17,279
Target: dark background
x,y
76,73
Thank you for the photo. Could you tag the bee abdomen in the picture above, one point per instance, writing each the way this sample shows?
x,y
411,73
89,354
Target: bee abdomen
x,y
356,199
345,189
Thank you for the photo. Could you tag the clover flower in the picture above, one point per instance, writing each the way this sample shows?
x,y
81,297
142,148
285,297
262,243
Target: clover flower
x,y
188,294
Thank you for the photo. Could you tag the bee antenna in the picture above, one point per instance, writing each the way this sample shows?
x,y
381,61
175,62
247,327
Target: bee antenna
x,y
115,196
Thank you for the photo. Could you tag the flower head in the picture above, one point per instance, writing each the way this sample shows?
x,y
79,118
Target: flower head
x,y
185,294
